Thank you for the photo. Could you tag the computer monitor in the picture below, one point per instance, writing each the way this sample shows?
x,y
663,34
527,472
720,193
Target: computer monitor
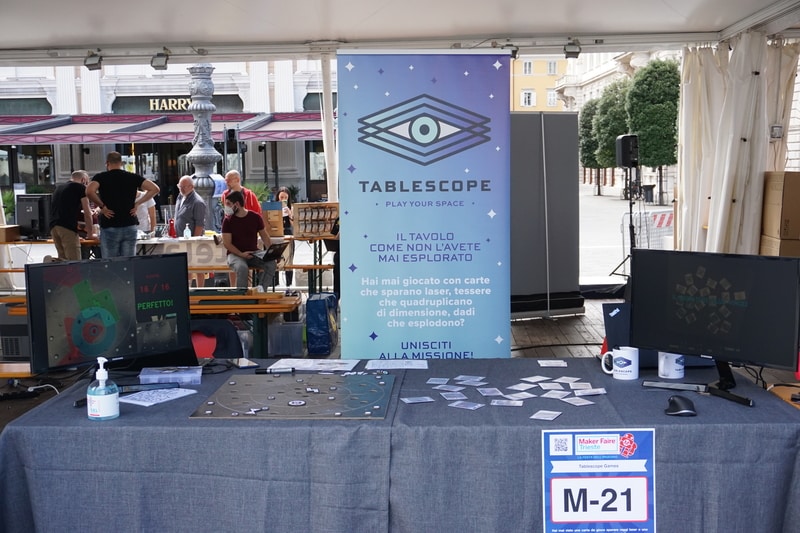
x,y
741,309
33,215
134,311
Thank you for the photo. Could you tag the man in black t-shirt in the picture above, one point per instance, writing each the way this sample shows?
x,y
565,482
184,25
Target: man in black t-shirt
x,y
68,200
114,192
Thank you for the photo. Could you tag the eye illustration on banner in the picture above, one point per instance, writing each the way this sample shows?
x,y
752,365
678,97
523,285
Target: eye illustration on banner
x,y
424,129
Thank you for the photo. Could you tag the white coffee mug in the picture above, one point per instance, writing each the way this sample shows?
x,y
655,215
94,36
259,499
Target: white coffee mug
x,y
670,365
624,363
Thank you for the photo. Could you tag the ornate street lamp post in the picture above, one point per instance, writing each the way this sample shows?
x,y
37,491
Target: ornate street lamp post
x,y
203,155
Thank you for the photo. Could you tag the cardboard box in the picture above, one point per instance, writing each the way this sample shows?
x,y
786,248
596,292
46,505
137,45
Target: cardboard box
x,y
782,247
9,233
272,213
780,218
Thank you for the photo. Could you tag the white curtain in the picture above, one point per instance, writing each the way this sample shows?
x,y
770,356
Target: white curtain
x,y
734,218
703,86
782,60
724,140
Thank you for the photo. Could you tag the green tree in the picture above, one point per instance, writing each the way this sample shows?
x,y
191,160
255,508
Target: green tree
x,y
610,121
652,107
587,142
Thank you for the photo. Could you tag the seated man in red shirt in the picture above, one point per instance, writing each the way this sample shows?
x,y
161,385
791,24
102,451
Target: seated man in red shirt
x,y
240,231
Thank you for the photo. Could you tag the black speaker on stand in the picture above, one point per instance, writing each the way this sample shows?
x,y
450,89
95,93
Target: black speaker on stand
x,y
628,158
628,151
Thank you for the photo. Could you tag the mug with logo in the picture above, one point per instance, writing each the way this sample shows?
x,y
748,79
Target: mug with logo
x,y
623,361
670,365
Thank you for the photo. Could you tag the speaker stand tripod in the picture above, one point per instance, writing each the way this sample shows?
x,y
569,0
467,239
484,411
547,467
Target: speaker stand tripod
x,y
631,227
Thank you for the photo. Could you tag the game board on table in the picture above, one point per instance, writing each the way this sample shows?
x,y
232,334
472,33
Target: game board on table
x,y
300,396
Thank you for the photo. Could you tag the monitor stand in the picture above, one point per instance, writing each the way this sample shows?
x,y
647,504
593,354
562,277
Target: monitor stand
x,y
721,388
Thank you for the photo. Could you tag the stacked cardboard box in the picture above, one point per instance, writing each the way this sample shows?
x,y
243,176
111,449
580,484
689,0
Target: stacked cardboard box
x,y
272,213
9,233
780,218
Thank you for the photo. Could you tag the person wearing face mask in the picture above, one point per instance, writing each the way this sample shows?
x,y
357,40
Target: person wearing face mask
x,y
240,231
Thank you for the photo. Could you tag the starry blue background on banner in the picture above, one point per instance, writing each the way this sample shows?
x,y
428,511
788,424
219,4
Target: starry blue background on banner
x,y
442,255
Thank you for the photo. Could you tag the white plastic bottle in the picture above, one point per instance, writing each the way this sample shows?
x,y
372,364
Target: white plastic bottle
x,y
187,232
102,396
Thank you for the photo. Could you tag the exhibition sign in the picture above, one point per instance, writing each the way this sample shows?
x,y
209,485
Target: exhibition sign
x,y
424,165
598,481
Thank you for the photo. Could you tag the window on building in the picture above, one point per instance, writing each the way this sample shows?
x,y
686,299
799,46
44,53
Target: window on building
x,y
552,100
527,68
552,68
527,98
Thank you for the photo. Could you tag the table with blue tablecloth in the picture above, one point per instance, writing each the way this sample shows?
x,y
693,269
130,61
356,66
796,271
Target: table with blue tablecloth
x,y
423,467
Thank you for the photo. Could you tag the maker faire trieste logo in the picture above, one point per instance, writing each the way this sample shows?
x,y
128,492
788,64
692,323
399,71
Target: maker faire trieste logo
x,y
424,129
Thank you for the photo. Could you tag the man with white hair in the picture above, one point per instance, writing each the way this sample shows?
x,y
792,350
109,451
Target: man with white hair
x,y
234,181
190,210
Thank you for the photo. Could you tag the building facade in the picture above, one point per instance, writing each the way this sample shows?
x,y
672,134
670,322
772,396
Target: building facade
x,y
533,82
291,86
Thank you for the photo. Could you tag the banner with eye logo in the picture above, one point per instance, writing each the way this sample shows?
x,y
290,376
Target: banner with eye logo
x,y
424,181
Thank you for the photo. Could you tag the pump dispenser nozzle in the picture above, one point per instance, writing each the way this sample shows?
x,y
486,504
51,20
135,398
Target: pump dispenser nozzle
x,y
102,373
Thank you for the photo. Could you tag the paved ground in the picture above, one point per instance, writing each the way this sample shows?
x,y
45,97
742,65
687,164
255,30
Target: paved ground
x,y
605,230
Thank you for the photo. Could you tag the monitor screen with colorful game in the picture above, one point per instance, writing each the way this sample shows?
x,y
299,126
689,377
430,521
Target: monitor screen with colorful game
x,y
134,311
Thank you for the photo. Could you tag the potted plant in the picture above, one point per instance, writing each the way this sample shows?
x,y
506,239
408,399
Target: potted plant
x,y
9,205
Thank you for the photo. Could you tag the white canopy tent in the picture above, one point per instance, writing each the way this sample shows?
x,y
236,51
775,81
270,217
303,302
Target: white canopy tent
x,y
40,32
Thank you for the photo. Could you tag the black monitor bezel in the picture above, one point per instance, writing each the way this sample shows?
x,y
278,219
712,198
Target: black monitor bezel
x,y
43,203
181,355
639,292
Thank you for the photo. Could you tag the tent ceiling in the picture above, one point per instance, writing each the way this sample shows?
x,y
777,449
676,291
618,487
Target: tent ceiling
x,y
43,31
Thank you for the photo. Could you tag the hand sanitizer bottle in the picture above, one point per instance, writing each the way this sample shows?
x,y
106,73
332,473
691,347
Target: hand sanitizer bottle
x,y
102,396
187,232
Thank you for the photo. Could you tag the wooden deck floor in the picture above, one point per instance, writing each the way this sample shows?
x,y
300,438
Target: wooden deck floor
x,y
564,336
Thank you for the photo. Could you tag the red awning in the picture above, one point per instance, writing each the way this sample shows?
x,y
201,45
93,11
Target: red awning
x,y
172,128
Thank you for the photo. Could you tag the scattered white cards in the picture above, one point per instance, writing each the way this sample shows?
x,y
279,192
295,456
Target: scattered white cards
x,y
551,386
552,363
417,399
568,389
521,386
469,378
508,403
466,405
449,388
590,392
545,415
577,401
557,394
523,395
450,396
